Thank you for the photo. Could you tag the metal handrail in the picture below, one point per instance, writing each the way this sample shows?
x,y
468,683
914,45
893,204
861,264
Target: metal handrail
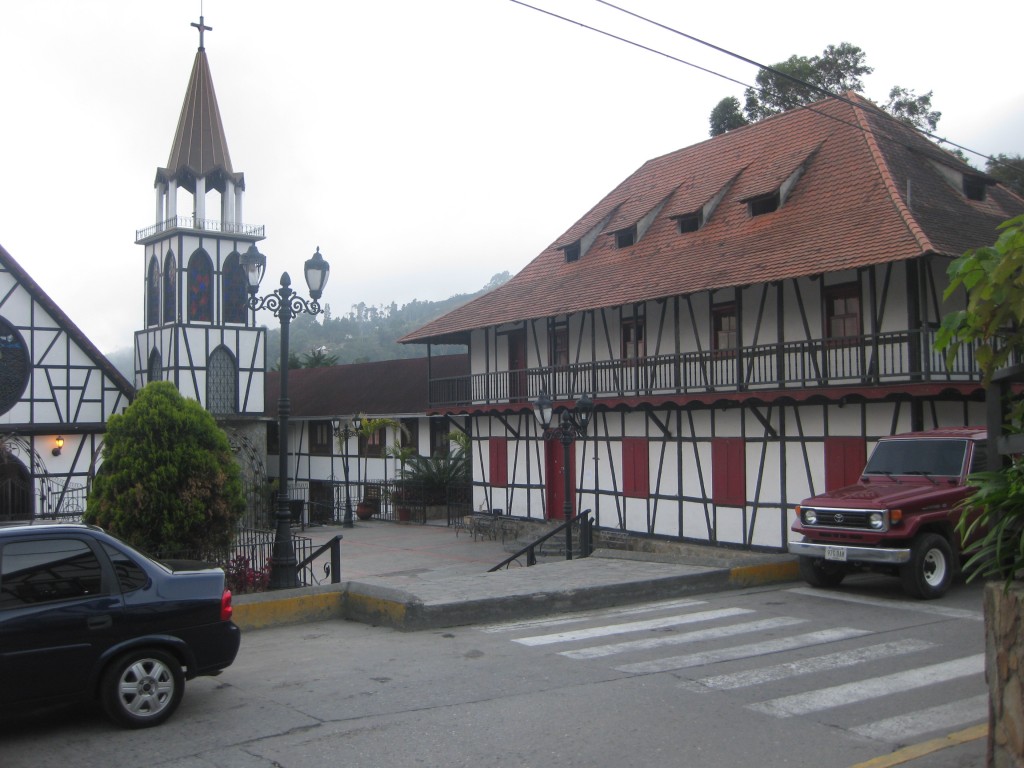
x,y
586,539
331,569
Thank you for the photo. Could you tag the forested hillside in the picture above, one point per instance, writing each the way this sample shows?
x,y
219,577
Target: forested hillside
x,y
365,333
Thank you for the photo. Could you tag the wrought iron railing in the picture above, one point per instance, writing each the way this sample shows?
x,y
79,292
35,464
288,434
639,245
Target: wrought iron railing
x,y
207,225
582,523
858,360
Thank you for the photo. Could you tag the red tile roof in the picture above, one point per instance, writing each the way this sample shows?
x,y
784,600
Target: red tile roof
x,y
867,195
388,387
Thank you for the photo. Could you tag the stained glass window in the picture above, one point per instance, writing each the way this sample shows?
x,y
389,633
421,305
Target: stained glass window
x,y
200,288
170,288
234,284
222,382
15,366
153,293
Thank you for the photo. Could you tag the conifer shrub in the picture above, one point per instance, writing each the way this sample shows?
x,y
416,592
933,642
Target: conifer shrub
x,y
168,482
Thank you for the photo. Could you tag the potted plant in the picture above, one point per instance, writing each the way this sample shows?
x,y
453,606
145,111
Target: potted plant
x,y
430,478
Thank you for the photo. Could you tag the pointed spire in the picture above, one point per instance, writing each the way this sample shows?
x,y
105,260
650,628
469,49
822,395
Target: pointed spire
x,y
200,149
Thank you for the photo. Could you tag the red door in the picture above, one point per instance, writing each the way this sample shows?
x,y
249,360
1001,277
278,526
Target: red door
x,y
555,479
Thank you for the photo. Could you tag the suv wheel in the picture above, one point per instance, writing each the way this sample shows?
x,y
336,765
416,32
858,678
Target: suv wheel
x,y
930,570
142,688
821,573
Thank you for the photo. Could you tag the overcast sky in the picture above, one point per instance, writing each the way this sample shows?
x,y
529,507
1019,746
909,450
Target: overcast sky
x,y
423,145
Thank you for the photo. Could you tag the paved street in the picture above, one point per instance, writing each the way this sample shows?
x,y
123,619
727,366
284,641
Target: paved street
x,y
770,676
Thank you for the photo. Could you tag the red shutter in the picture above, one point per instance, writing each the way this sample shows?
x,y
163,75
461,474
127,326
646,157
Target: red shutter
x,y
498,447
636,471
844,460
728,471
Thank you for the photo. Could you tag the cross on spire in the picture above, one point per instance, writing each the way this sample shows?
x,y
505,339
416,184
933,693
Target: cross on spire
x,y
202,28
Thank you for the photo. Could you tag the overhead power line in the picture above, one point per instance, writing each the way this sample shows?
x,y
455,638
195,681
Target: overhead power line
x,y
727,52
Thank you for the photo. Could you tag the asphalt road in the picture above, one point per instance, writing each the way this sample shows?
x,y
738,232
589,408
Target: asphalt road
x,y
773,676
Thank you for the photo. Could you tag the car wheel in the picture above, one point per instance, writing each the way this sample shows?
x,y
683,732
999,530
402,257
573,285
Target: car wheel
x,y
821,573
930,570
142,688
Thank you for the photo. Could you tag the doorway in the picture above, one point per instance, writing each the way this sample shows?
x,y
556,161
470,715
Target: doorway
x,y
554,471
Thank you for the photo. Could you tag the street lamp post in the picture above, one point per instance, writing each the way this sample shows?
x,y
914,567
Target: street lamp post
x,y
572,425
344,434
285,305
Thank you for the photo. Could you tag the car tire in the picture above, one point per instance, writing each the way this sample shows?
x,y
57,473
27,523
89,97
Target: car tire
x,y
930,570
821,573
142,688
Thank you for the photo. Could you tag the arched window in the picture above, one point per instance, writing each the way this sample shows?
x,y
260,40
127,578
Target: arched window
x,y
155,371
233,298
222,382
200,288
170,288
15,367
153,293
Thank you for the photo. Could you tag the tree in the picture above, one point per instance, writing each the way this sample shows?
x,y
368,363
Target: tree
x,y
993,321
318,358
726,116
169,482
1008,169
915,110
801,80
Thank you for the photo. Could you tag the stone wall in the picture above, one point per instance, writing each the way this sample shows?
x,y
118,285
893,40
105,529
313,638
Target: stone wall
x,y
1004,660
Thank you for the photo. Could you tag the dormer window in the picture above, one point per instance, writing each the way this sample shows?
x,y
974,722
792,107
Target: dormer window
x,y
625,237
763,204
691,222
572,252
974,187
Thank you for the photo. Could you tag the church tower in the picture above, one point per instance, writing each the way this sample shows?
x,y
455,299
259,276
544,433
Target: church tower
x,y
198,330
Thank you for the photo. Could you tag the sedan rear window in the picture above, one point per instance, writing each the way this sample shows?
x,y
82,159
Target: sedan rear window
x,y
47,570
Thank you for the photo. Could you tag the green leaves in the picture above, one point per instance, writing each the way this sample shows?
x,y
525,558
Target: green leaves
x,y
993,277
169,481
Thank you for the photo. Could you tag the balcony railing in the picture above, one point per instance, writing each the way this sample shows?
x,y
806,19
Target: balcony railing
x,y
207,225
858,360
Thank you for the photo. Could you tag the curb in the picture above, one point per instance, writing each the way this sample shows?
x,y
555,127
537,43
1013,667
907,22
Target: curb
x,y
384,605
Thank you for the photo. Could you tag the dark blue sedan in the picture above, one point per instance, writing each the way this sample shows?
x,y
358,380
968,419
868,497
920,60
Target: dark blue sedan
x,y
84,617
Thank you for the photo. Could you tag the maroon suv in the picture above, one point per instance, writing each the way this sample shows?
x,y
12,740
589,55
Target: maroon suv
x,y
899,518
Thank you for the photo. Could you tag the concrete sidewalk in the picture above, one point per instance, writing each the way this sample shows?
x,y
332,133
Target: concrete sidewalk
x,y
414,577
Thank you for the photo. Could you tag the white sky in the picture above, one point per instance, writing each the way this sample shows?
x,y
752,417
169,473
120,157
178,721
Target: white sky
x,y
424,145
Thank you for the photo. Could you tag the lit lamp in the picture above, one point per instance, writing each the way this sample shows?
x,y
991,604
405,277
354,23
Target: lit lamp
x,y
285,305
59,444
572,425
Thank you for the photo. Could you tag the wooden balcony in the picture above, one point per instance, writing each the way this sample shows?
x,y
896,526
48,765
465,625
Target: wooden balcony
x,y
902,356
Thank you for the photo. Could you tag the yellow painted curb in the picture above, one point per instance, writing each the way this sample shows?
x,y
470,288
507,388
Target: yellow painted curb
x,y
258,614
925,748
750,575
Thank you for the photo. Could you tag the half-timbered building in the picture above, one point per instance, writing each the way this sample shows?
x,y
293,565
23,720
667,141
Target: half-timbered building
x,y
198,331
329,461
748,313
56,393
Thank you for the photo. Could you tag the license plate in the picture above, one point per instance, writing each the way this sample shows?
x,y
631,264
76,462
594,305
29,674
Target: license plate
x,y
835,553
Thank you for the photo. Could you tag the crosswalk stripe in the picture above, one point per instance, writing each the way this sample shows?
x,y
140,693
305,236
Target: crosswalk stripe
x,y
714,633
914,724
576,618
861,690
929,607
632,626
808,666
